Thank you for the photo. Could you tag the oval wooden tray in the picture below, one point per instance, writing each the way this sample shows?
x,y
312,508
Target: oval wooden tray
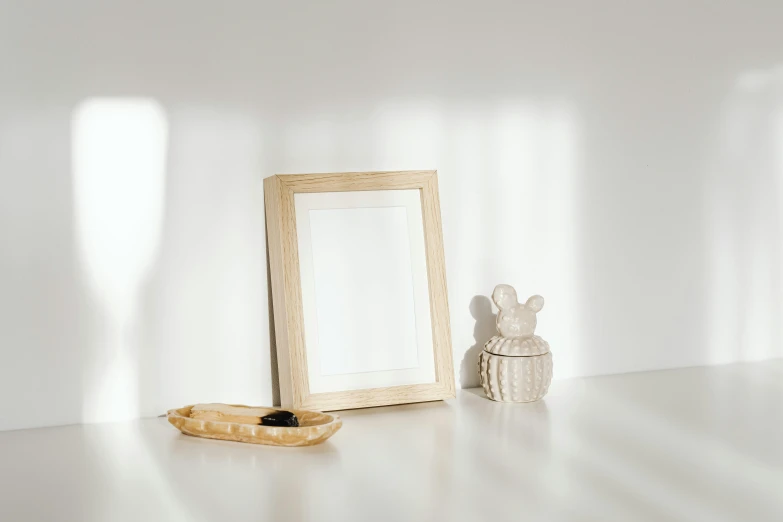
x,y
314,426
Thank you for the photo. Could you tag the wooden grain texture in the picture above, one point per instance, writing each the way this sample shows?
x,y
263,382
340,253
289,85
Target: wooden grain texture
x,y
274,232
436,274
287,290
351,399
350,181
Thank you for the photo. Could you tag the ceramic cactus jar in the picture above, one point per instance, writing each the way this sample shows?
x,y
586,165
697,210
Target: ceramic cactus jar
x,y
516,365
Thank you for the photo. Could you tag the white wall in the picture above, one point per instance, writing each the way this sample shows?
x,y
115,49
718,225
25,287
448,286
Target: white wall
x,y
623,159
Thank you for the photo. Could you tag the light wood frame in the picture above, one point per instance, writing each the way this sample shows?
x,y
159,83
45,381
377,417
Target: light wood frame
x,y
279,193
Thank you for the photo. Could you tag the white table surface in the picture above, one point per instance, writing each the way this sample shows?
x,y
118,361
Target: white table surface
x,y
700,444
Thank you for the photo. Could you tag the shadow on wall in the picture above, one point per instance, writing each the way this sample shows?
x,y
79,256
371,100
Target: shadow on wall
x,y
205,314
483,330
134,234
44,313
596,188
272,339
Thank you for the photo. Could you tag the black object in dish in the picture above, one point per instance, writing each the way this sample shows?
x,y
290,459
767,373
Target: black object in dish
x,y
280,418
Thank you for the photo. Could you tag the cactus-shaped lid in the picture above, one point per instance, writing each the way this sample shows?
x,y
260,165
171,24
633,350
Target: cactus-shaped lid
x,y
516,324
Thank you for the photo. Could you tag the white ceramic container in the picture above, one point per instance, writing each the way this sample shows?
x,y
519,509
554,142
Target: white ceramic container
x,y
516,365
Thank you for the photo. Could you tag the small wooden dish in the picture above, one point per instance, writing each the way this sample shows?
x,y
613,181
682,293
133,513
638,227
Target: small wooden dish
x,y
314,426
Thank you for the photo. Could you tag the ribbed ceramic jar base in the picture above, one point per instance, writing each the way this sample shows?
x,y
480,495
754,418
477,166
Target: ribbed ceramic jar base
x,y
515,379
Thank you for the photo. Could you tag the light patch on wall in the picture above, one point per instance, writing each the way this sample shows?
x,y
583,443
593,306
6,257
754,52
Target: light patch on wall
x,y
532,189
517,164
743,212
119,157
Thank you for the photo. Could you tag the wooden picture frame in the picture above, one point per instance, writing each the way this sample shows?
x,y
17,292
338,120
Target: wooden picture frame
x,y
286,286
